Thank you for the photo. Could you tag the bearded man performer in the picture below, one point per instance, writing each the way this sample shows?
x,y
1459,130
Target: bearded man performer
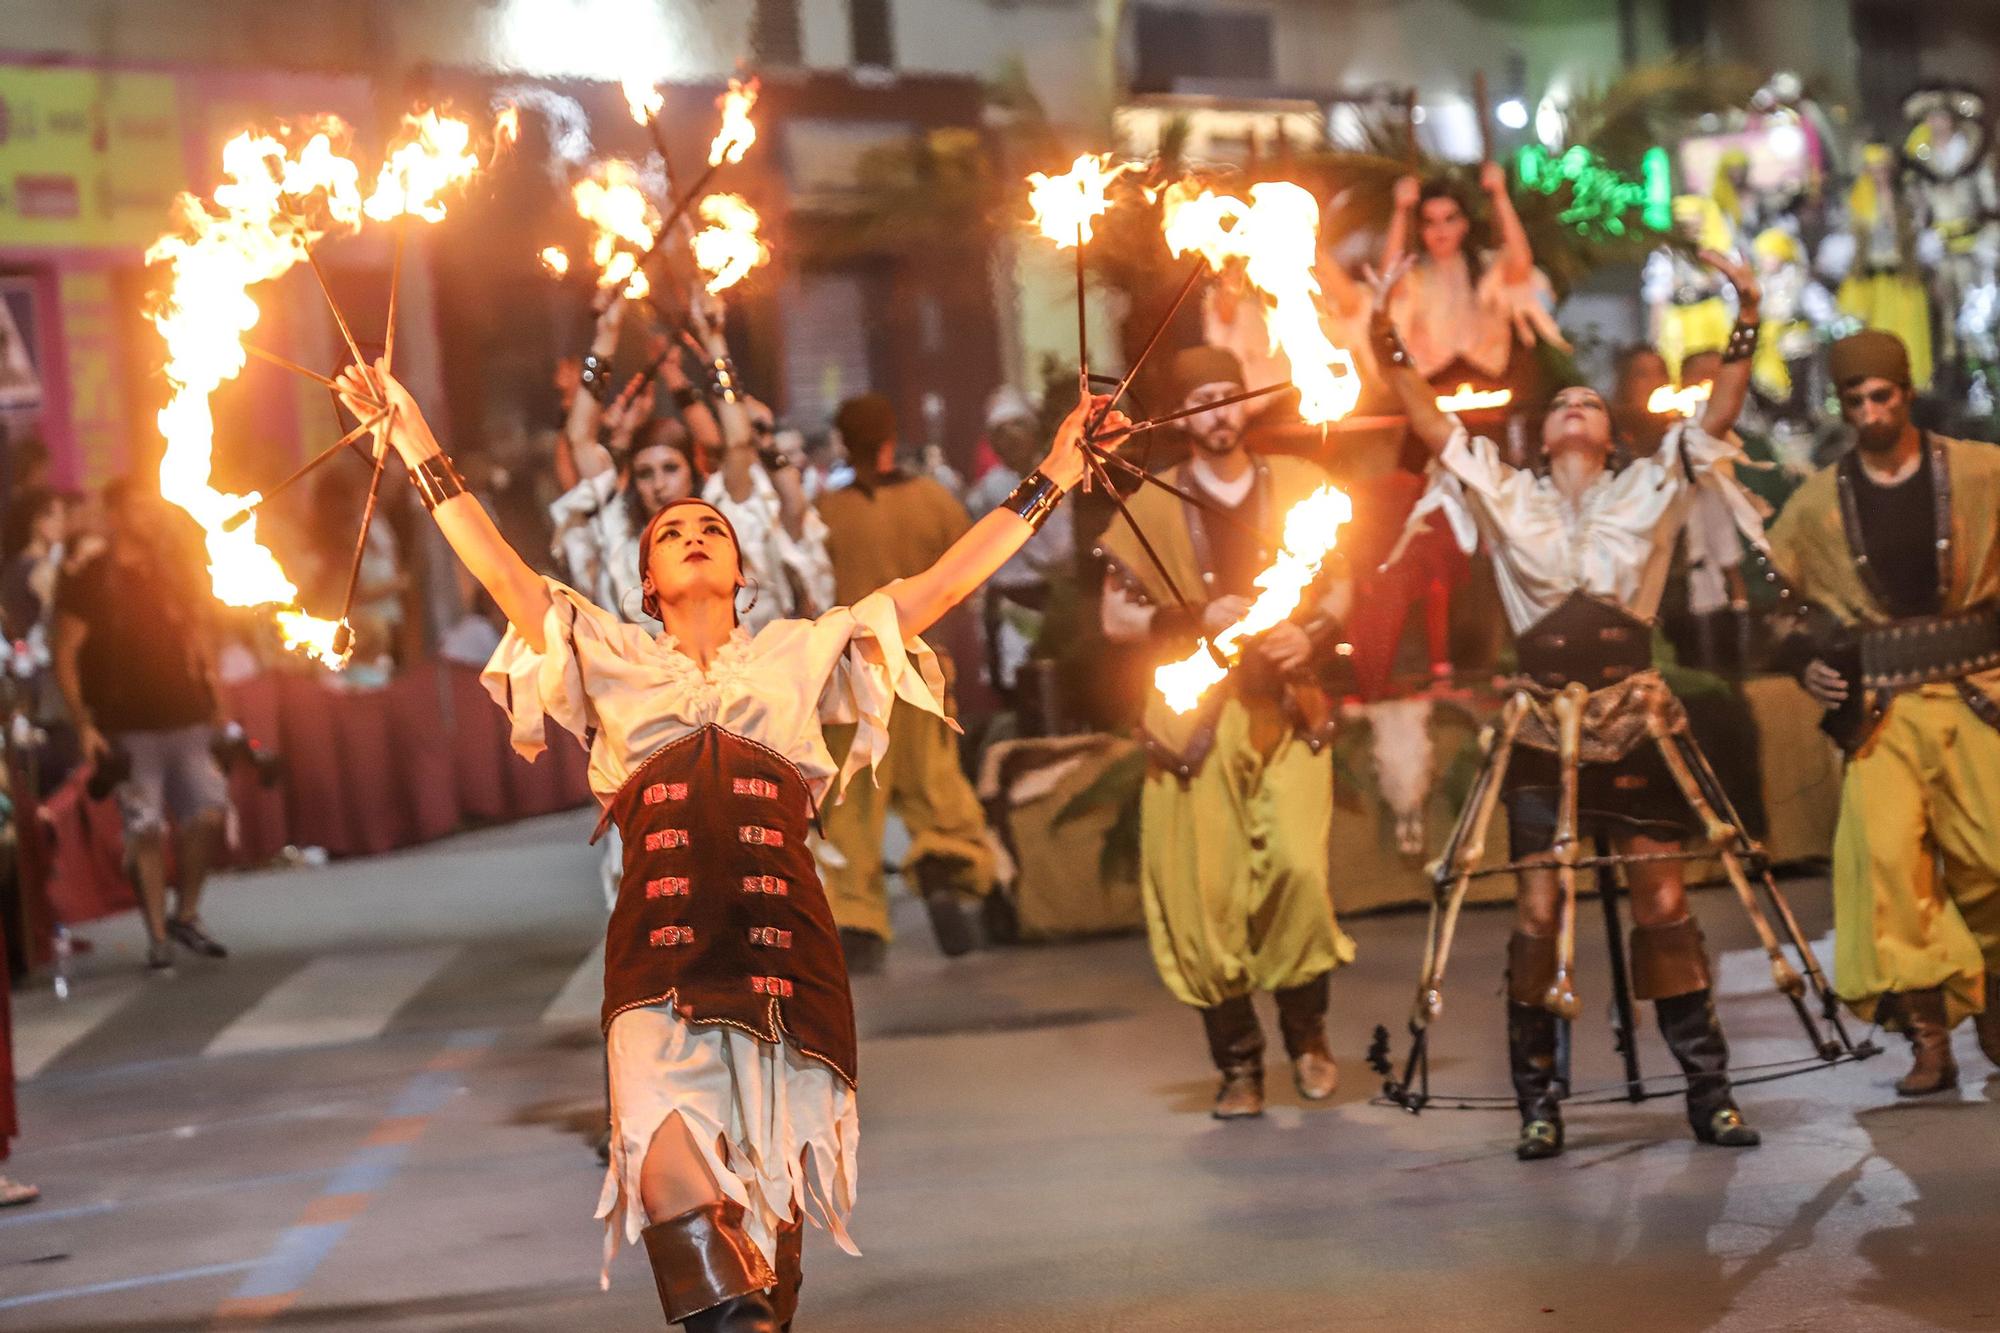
x,y
726,1006
1238,798
1581,555
1899,542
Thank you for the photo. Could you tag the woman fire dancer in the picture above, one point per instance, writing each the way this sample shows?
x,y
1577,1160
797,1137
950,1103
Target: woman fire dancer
x,y
726,1006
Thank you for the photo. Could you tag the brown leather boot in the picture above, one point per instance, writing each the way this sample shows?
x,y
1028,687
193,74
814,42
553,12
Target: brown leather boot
x,y
1987,1022
1236,1044
710,1277
1921,1013
790,1265
1302,1021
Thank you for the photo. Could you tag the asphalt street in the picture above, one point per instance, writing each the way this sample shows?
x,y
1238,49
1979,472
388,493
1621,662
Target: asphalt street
x,y
378,1115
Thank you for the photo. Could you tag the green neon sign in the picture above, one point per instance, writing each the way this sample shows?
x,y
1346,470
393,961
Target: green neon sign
x,y
1600,199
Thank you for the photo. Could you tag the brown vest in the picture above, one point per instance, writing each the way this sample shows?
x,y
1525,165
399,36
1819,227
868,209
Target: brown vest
x,y
720,910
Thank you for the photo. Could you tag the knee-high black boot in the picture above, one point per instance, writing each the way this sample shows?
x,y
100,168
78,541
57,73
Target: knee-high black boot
x,y
1533,1036
711,1279
1670,968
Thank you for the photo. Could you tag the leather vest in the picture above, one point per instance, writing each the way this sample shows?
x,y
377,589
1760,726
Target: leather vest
x,y
1585,639
720,910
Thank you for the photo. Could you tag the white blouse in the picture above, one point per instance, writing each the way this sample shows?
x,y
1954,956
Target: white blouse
x,y
1616,541
631,692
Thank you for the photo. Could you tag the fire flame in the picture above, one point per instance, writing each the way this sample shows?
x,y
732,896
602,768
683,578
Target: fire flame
x,y
1468,399
1685,401
506,128
273,202
436,156
1311,528
612,202
738,131
1276,235
728,247
556,260
1065,205
642,98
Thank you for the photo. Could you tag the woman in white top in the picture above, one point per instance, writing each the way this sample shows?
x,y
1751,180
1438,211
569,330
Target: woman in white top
x,y
727,1013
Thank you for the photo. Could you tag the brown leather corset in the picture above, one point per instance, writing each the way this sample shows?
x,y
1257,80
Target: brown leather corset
x,y
1585,639
720,909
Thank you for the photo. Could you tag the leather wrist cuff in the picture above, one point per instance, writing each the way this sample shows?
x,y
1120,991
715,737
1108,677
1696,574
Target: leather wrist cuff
x,y
1034,499
436,481
596,377
1742,344
726,387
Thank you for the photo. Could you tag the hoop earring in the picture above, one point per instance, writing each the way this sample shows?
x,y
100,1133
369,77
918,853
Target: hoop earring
x,y
755,588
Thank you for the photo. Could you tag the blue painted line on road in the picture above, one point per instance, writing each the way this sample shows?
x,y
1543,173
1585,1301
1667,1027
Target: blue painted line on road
x,y
302,1248
125,1284
368,1170
426,1093
298,1253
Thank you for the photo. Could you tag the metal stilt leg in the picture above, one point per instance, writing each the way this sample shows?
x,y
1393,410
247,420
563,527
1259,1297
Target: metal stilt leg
x,y
1621,981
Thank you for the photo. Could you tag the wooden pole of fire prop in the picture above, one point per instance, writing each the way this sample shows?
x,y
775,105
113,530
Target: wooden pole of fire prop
x,y
1082,322
343,637
242,516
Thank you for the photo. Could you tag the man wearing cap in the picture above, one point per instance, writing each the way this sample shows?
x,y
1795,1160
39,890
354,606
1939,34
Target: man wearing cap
x,y
1015,599
1238,797
1898,545
890,524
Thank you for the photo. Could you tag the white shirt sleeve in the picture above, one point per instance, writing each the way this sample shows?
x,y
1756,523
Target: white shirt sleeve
x,y
874,665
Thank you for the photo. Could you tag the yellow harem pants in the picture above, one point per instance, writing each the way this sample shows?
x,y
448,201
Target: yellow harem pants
x,y
1233,867
919,778
1916,857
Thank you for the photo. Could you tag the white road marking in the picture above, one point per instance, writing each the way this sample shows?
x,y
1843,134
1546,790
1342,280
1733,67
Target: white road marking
x,y
332,1001
582,996
45,1027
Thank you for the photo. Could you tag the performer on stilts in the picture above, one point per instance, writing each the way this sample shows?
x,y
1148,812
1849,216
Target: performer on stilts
x,y
1238,800
727,1011
1899,543
1581,555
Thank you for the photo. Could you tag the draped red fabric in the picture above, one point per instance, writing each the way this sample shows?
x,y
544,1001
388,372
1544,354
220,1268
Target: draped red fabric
x,y
364,771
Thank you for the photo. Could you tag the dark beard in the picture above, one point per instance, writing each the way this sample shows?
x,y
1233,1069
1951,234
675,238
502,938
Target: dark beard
x,y
1876,440
1216,442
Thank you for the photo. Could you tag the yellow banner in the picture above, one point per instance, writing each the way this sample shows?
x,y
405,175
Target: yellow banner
x,y
88,159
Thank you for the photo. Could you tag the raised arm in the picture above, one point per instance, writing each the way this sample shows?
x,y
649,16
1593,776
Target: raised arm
x,y
1517,258
587,456
1419,400
1732,383
1396,241
922,598
519,591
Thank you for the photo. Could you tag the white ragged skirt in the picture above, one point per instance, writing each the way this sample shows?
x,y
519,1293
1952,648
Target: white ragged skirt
x,y
778,1129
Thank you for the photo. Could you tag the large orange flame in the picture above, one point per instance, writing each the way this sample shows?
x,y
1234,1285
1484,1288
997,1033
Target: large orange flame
x,y
1684,401
624,219
1066,205
1276,237
738,131
642,98
728,247
1311,528
273,203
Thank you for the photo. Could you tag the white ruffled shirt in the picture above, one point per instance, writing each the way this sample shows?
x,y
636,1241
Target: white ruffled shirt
x,y
632,692
1615,542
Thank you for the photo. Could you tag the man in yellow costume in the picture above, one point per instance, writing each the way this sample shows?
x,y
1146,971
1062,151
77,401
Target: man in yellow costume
x,y
1238,799
888,525
1899,542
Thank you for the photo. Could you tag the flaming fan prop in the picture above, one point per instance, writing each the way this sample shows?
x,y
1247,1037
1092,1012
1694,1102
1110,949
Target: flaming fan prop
x,y
1311,528
1684,401
728,248
1065,207
275,204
